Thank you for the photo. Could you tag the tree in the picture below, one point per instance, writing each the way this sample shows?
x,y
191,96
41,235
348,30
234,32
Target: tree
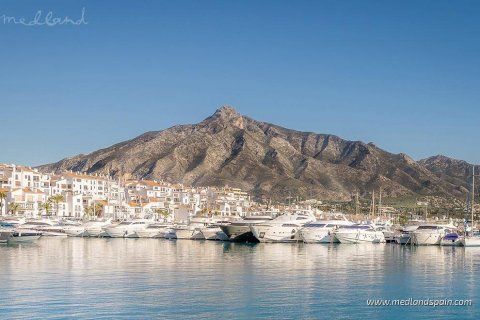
x,y
13,208
47,206
88,210
3,196
56,199
98,209
162,212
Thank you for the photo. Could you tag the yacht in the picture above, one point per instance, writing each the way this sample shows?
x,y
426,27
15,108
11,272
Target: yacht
x,y
451,239
127,229
18,236
155,230
193,230
284,228
11,222
89,229
189,232
45,226
239,231
430,234
470,241
322,231
360,233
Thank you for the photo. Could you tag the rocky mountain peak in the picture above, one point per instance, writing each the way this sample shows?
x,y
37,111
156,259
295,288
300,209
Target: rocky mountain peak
x,y
225,116
227,111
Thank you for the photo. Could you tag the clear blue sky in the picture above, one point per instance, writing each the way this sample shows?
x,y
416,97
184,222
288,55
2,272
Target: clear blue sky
x,y
402,74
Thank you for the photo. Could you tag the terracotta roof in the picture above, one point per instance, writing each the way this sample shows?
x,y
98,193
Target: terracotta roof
x,y
151,183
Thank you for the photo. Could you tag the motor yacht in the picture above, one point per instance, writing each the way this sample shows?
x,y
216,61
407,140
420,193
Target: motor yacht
x,y
284,228
127,229
430,234
322,231
155,230
360,233
239,231
11,222
46,226
451,239
19,236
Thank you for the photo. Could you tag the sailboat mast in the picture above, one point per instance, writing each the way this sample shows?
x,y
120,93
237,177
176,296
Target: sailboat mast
x,y
373,203
473,191
380,203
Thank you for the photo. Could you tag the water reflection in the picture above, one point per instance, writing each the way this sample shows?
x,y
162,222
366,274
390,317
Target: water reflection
x,y
142,278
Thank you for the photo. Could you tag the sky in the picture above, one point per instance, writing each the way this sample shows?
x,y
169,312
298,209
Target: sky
x,y
401,74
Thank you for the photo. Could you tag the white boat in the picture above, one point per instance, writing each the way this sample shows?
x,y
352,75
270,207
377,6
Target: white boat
x,y
239,231
154,230
360,233
75,231
189,232
451,239
11,222
430,234
322,231
213,232
284,228
19,236
97,228
45,226
471,241
127,229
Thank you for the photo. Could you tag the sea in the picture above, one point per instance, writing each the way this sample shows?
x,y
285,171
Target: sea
x,y
101,278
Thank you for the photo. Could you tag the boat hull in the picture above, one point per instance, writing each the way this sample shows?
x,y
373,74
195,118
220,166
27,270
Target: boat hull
x,y
265,233
214,234
471,241
360,237
239,233
190,234
317,236
426,238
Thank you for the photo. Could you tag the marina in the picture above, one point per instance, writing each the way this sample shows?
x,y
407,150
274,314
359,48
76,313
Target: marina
x,y
153,278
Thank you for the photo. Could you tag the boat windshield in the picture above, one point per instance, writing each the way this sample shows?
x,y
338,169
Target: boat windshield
x,y
315,225
125,223
356,227
427,228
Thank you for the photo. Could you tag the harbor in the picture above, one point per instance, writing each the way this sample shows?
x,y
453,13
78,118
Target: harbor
x,y
146,278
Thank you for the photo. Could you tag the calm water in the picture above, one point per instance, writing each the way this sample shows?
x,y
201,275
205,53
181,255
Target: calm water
x,y
150,278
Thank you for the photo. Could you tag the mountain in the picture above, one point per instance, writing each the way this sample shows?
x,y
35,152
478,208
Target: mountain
x,y
264,159
454,171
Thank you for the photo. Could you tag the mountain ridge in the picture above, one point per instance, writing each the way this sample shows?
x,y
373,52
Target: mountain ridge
x,y
267,160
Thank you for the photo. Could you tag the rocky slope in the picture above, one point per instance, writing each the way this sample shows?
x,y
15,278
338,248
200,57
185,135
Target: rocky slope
x,y
267,160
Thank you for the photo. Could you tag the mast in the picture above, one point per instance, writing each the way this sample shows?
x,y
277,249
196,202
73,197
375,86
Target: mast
x,y
473,191
373,203
356,203
380,203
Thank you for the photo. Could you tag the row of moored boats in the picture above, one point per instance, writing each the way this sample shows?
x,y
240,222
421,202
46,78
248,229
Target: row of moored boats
x,y
300,226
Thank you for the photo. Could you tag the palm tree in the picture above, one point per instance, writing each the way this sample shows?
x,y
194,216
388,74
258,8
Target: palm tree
x,y
3,196
162,212
88,211
47,206
56,199
98,209
13,208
